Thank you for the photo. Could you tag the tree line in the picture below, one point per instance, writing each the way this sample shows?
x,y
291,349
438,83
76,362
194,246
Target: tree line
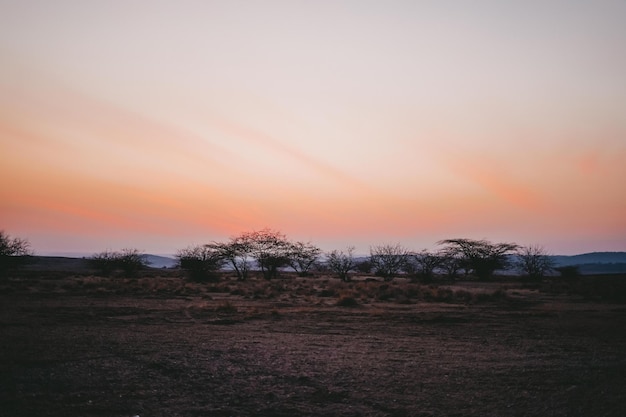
x,y
270,251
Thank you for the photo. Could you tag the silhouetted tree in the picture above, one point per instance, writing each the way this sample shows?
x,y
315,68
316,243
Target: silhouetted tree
x,y
131,261
302,256
388,260
202,262
236,252
482,257
341,263
451,262
270,249
426,263
534,261
13,252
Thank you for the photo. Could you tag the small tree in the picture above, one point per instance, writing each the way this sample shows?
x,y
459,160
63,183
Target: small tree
x,y
236,253
302,256
388,260
341,263
534,262
202,263
13,251
451,262
481,256
426,263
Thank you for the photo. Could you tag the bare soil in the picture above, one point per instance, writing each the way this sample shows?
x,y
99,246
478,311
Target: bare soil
x,y
161,346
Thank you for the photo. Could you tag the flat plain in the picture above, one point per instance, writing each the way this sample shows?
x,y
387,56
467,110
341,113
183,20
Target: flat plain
x,y
159,345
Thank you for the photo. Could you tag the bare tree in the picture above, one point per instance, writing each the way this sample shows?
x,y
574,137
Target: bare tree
x,y
534,261
13,250
202,262
388,260
302,256
341,263
481,256
451,262
426,263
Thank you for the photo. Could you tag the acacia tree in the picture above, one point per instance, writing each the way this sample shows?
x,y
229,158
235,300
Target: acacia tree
x,y
269,248
202,262
482,257
12,251
302,256
534,261
341,263
388,260
236,253
426,263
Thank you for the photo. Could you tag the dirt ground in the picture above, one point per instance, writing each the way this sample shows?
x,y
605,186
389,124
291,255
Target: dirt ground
x,y
87,346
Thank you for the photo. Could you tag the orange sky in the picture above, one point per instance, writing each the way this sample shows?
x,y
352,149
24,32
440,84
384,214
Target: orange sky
x,y
157,126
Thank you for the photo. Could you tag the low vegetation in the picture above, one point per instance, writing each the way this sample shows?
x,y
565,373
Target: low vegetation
x,y
333,335
127,261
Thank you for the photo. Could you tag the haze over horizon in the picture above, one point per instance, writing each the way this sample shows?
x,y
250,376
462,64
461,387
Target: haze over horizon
x,y
156,125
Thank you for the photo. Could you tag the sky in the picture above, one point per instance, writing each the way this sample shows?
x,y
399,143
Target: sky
x,y
162,124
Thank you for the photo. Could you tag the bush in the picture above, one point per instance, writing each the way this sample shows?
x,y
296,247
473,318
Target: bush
x,y
128,261
568,271
202,263
347,301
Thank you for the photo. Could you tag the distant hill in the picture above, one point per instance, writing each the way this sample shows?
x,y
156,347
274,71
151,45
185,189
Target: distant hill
x,y
65,263
157,261
594,262
590,258
586,263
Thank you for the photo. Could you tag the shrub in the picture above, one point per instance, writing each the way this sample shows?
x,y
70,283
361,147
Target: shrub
x,y
388,260
201,263
129,261
347,301
568,271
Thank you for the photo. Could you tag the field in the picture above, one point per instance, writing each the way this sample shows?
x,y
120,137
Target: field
x,y
79,345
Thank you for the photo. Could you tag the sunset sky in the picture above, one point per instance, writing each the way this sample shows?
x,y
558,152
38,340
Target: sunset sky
x,y
160,124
